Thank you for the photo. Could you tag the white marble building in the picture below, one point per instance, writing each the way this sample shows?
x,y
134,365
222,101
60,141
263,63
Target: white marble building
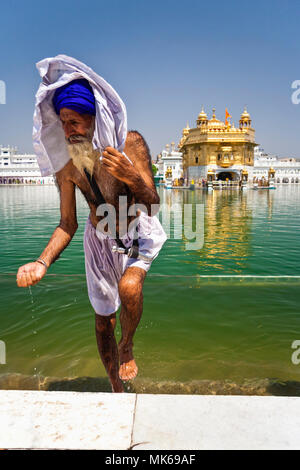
x,y
18,168
287,170
169,163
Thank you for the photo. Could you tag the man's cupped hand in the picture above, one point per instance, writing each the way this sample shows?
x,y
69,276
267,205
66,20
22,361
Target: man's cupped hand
x,y
118,165
30,274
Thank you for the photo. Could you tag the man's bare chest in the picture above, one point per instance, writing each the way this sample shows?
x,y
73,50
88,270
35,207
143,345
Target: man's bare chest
x,y
110,187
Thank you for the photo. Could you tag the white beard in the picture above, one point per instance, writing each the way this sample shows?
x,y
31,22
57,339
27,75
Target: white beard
x,y
83,155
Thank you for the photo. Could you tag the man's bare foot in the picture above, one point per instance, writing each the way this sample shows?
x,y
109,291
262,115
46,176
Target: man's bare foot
x,y
128,368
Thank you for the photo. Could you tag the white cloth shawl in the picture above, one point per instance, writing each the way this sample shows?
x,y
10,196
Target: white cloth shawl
x,y
48,135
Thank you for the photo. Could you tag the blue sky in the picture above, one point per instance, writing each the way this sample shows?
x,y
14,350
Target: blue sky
x,y
165,59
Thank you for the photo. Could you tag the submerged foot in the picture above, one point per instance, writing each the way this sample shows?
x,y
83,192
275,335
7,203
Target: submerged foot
x,y
117,387
128,368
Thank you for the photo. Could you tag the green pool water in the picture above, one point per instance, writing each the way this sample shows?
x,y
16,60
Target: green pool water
x,y
226,313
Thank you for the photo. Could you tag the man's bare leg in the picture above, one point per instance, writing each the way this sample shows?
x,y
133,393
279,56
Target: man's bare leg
x,y
108,350
131,295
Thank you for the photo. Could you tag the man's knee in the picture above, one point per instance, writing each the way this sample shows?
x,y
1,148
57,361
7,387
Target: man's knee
x,y
131,283
105,324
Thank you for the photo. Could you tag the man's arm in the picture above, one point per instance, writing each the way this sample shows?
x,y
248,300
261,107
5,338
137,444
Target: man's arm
x,y
67,227
139,176
31,273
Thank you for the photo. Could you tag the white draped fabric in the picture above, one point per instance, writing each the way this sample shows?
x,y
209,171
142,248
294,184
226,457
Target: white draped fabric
x,y
48,135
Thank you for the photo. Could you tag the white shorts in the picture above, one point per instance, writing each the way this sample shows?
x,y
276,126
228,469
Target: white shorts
x,y
104,268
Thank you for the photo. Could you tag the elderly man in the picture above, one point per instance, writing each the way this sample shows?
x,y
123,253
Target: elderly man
x,y
113,278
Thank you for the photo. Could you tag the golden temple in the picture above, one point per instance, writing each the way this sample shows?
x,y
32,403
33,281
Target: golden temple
x,y
217,150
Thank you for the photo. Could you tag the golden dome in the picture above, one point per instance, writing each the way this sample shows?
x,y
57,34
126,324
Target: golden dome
x,y
245,115
186,130
214,122
202,115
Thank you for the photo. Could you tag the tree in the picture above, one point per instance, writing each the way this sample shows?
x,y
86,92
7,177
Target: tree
x,y
154,169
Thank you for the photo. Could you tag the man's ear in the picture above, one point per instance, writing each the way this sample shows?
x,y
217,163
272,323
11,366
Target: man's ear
x,y
89,119
91,126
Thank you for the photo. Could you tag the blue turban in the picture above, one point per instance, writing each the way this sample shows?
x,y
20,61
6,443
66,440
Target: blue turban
x,y
77,95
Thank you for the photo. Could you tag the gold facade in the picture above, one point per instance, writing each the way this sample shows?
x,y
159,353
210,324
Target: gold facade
x,y
218,144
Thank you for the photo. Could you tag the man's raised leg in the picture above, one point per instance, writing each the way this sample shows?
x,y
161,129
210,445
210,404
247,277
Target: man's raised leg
x,y
131,295
108,349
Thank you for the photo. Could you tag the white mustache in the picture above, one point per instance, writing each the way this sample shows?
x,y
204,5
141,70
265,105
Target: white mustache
x,y
73,139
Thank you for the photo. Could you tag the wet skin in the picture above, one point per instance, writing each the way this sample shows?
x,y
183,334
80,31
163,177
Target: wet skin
x,y
115,176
